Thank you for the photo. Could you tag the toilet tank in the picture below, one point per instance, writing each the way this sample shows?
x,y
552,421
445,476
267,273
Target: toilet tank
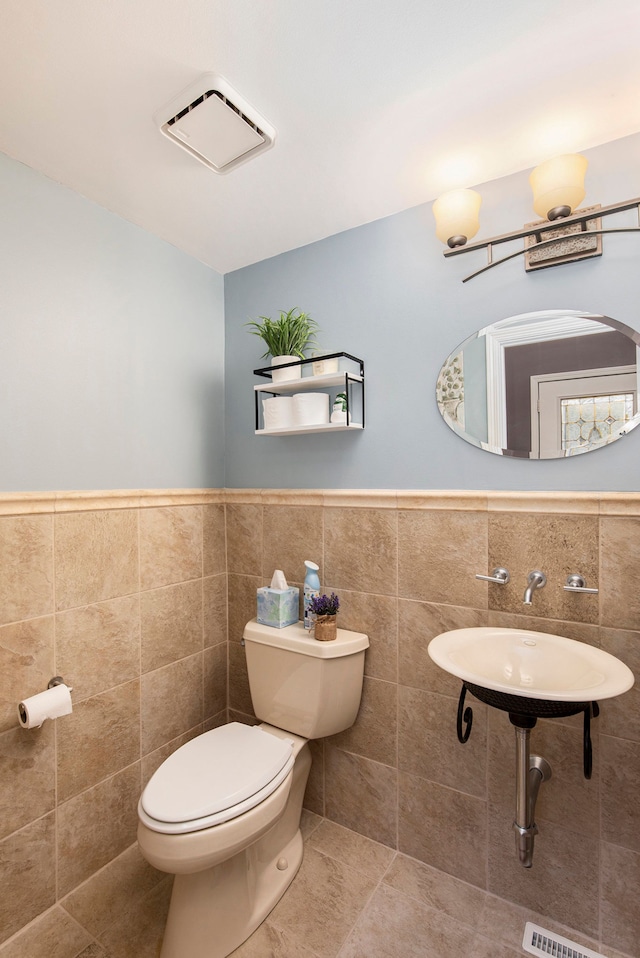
x,y
302,685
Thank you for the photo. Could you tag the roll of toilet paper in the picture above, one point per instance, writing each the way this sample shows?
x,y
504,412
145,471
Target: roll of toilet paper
x,y
45,705
278,412
310,409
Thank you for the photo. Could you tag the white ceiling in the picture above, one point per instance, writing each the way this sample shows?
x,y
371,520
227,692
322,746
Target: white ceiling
x,y
378,104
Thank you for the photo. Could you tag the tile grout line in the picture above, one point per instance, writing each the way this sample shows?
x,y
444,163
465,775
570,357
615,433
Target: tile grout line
x,y
202,636
323,567
359,917
600,889
365,904
55,725
397,680
139,627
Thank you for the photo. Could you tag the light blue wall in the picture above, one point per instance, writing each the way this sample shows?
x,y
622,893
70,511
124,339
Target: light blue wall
x,y
111,349
112,357
385,293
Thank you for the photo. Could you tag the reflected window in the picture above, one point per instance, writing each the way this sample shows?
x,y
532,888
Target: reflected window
x,y
590,419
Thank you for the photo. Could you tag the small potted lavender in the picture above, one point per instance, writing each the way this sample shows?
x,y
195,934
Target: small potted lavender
x,y
325,609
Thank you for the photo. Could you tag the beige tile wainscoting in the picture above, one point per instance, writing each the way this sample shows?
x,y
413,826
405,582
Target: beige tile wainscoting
x,y
124,596
128,595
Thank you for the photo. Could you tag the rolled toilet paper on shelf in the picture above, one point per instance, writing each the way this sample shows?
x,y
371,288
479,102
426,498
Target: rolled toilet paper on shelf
x,y
278,412
310,409
49,704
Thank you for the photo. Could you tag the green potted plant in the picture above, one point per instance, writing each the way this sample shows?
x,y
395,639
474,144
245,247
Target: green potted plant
x,y
325,609
286,340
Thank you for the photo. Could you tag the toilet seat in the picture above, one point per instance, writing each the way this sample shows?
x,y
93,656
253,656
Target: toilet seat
x,y
215,777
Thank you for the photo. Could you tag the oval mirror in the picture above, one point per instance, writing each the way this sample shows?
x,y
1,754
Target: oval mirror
x,y
543,385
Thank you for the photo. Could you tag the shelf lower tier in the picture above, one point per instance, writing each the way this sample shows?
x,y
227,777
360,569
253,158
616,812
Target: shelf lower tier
x,y
301,430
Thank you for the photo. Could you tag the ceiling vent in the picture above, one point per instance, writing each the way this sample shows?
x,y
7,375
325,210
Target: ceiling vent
x,y
215,124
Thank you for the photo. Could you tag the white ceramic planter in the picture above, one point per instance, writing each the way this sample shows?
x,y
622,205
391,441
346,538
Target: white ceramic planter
x,y
322,367
285,375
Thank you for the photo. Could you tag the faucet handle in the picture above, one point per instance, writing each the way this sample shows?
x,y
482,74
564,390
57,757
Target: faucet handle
x,y
501,576
575,583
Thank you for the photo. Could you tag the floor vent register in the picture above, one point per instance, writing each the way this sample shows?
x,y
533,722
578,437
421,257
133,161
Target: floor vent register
x,y
539,941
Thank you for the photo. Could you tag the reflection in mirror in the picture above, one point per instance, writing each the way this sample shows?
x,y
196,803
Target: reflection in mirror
x,y
543,385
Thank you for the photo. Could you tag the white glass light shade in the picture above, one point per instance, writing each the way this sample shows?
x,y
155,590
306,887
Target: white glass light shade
x,y
456,216
558,182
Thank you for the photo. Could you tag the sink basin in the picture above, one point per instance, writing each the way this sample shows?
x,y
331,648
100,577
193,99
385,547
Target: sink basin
x,y
531,665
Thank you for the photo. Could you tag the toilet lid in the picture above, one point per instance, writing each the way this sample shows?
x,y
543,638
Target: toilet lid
x,y
216,771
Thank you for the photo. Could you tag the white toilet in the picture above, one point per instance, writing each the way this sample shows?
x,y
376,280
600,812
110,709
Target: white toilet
x,y
222,813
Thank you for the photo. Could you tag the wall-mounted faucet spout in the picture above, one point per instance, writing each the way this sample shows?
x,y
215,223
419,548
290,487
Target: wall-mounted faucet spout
x,y
536,580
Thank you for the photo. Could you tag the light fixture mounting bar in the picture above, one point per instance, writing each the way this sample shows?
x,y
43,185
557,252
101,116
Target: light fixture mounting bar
x,y
543,244
543,228
580,218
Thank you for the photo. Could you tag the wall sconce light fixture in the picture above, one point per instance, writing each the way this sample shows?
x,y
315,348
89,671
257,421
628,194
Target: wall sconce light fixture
x,y
562,236
457,219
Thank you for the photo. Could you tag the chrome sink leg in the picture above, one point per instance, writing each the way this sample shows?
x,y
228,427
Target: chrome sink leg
x,y
539,772
531,772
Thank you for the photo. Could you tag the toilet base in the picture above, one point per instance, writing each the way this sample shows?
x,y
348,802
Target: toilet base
x,y
212,912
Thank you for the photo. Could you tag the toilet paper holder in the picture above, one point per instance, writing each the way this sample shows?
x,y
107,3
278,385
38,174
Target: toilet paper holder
x,y
23,707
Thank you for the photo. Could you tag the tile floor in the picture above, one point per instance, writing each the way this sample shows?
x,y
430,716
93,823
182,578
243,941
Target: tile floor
x,y
355,898
352,898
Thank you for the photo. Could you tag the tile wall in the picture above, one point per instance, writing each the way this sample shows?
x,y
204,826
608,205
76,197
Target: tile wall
x,y
125,597
404,565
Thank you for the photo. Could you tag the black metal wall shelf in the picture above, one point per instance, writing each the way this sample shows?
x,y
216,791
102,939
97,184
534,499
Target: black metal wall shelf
x,y
342,381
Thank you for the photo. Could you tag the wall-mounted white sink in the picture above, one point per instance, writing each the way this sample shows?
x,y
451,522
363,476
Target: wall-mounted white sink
x,y
530,675
533,665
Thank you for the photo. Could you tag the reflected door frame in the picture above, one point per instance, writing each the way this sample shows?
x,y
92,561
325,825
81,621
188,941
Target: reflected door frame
x,y
542,326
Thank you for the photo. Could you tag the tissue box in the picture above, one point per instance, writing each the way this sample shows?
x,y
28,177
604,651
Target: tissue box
x,y
278,607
